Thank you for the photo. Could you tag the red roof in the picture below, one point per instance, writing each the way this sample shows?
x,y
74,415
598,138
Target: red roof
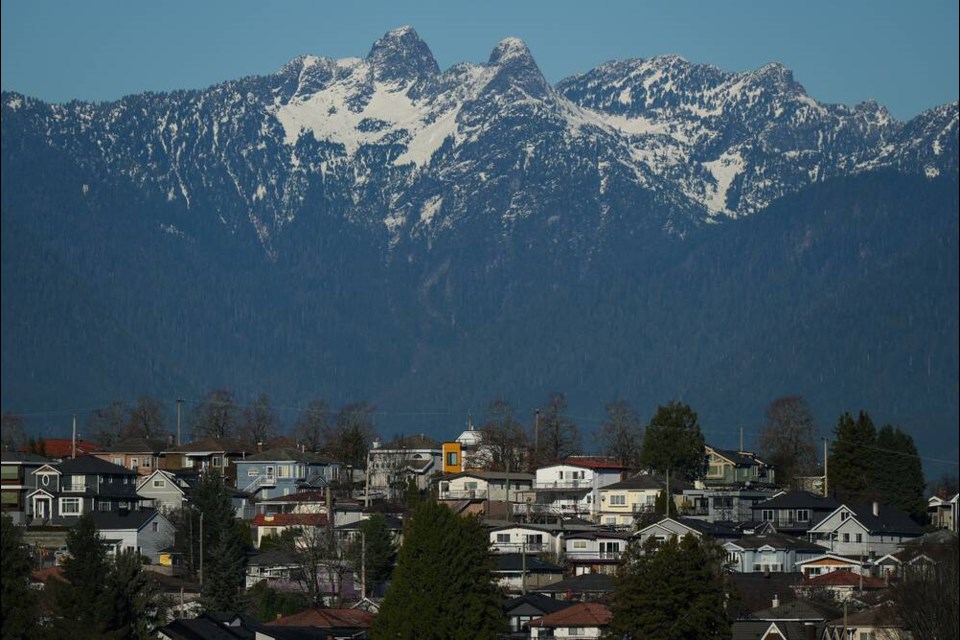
x,y
584,614
593,463
290,520
43,575
63,447
844,578
357,618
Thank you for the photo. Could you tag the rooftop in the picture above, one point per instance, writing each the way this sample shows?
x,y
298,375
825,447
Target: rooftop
x,y
582,614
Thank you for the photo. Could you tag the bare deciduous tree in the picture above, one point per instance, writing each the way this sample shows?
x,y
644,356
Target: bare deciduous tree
x,y
622,434
789,439
504,441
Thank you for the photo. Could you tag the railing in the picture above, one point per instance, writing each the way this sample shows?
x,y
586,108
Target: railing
x,y
563,484
261,481
520,547
594,555
470,494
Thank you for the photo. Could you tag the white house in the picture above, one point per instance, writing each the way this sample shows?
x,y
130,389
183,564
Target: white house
x,y
391,465
146,530
865,530
162,490
595,551
486,485
770,553
527,538
572,488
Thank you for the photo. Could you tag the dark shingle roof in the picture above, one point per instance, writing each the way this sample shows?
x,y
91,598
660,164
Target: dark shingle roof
x,y
779,541
283,454
539,602
586,583
23,456
887,520
649,481
93,465
136,445
112,520
799,500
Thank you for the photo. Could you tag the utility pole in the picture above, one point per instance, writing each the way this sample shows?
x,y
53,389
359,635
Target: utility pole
x,y
179,415
826,489
73,438
363,564
523,571
201,549
536,437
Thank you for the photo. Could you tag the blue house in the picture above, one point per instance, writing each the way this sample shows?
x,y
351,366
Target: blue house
x,y
282,472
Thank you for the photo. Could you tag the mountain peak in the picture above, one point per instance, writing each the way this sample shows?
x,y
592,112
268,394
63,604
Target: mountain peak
x,y
510,49
402,55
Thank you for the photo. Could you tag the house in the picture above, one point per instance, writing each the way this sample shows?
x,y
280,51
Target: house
x,y
527,538
736,468
677,528
146,531
580,620
829,562
943,512
867,530
274,524
492,488
572,487
525,608
465,453
588,587
137,454
331,623
723,504
277,567
212,626
16,476
163,490
843,584
877,623
621,503
794,620
770,553
213,454
595,551
518,572
282,472
390,466
81,485
794,512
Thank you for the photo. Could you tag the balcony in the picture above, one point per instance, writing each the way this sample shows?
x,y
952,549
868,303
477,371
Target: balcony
x,y
469,494
589,556
563,485
259,482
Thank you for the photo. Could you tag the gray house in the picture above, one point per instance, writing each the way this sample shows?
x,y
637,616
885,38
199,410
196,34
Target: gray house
x,y
770,553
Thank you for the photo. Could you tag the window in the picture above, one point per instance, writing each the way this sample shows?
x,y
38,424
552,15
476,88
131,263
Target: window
x,y
69,506
283,471
103,506
159,484
217,461
253,472
9,498
803,515
846,537
844,515
134,463
146,463
859,537
575,631
579,544
117,461
155,527
618,499
503,538
76,483
452,459
767,515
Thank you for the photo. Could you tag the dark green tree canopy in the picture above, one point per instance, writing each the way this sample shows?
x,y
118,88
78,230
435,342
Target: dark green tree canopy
x,y
673,441
17,598
442,587
674,591
852,465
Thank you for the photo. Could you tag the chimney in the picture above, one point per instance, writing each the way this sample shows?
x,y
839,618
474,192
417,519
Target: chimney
x,y
809,631
776,601
376,443
876,509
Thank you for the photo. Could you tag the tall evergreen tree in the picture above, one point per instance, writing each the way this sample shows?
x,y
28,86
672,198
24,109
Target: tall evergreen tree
x,y
899,480
380,552
674,443
852,465
443,587
80,600
673,591
223,574
17,599
135,605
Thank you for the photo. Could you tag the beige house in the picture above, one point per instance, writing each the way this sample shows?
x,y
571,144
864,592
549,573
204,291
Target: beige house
x,y
623,502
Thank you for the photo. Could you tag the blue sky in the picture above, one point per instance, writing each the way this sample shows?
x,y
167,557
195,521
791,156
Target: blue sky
x,y
902,54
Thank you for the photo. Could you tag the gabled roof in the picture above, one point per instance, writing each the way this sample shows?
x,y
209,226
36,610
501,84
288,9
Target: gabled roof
x,y
884,615
799,500
536,602
212,445
844,578
648,481
586,583
777,541
587,462
712,529
90,464
63,447
738,458
175,482
888,520
514,562
326,618
136,445
125,520
21,457
797,610
582,614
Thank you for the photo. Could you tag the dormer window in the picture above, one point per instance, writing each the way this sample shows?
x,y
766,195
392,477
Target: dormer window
x,y
844,515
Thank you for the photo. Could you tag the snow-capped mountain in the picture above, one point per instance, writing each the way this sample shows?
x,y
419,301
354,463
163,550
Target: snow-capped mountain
x,y
390,141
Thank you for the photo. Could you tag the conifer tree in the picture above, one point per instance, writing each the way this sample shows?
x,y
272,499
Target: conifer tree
x,y
443,587
674,443
17,599
673,591
899,477
381,550
223,574
80,599
135,605
852,464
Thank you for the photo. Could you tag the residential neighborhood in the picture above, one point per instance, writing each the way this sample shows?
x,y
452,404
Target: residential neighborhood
x,y
319,538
